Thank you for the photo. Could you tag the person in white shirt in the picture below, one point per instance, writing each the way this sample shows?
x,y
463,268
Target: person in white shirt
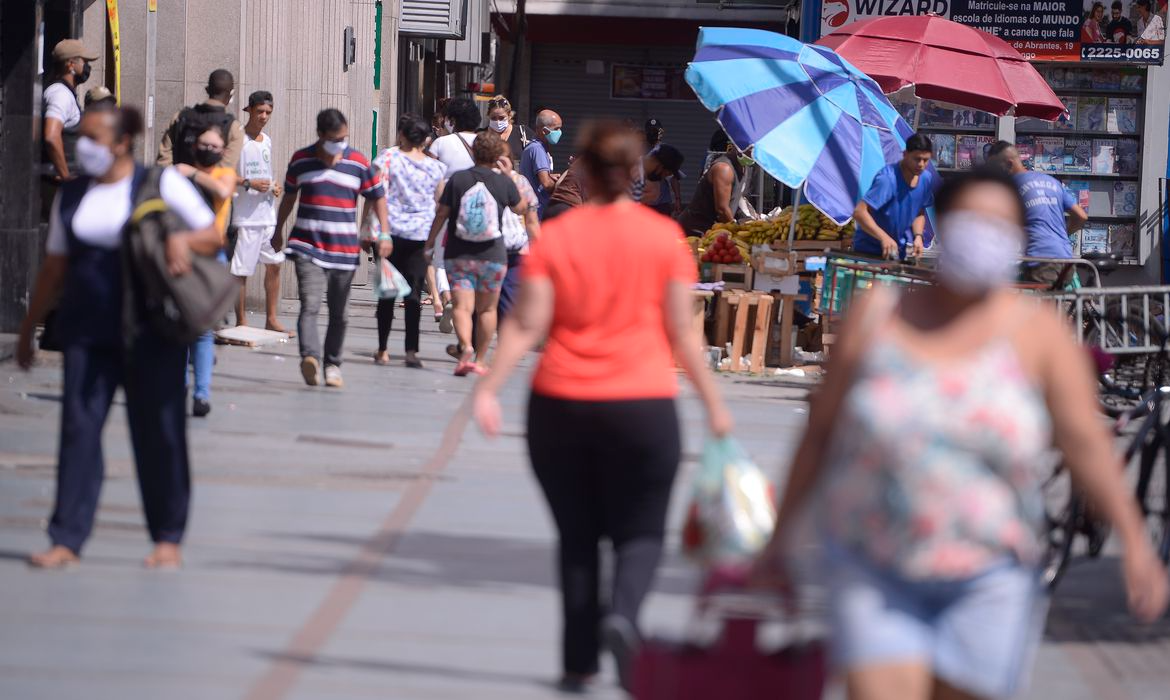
x,y
62,115
83,269
454,150
1150,27
254,212
461,119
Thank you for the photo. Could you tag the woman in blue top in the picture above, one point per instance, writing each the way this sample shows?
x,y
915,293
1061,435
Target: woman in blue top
x,y
411,179
84,267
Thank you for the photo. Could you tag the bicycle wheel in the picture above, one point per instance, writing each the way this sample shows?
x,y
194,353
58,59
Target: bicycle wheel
x,y
1063,513
1153,490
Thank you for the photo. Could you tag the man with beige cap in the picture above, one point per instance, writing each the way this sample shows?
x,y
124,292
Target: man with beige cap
x,y
61,112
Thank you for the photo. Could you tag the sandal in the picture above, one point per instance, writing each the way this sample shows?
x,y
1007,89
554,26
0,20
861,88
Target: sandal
x,y
413,363
382,358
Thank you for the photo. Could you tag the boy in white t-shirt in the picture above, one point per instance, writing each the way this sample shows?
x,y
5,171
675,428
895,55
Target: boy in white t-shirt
x,y
254,211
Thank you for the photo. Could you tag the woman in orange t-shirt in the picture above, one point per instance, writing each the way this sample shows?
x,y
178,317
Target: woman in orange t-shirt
x,y
217,184
609,283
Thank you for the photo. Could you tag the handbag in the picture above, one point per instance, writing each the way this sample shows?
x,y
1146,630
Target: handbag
x,y
739,662
179,309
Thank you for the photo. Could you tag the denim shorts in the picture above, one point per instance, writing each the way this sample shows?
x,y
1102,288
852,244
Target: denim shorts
x,y
978,634
475,275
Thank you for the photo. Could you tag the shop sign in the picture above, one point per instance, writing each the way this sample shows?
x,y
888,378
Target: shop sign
x,y
634,82
1044,30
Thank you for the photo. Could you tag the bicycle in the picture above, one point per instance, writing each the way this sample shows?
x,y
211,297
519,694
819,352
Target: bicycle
x,y
1069,517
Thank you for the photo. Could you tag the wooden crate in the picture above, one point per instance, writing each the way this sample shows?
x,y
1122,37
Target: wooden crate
x,y
733,276
736,327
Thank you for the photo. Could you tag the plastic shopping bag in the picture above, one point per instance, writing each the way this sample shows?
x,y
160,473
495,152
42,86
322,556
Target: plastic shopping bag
x,y
389,282
732,510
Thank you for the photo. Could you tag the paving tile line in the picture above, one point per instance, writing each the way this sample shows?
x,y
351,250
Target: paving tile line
x,y
287,666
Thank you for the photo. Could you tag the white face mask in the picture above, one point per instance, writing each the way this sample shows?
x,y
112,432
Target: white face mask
x,y
499,126
93,158
979,253
449,126
334,148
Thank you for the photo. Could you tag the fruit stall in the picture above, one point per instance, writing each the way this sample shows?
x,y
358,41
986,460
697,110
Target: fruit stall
x,y
761,292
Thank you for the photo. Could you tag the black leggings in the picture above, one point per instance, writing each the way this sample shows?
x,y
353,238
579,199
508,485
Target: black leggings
x,y
606,469
409,259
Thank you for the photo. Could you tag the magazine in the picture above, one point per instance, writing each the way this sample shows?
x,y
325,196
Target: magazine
x,y
1059,78
1094,239
1125,199
1131,80
973,118
1026,147
1104,156
944,150
1081,189
1108,79
1074,239
1078,155
1128,157
1049,156
1067,122
936,114
1123,240
1121,117
1091,114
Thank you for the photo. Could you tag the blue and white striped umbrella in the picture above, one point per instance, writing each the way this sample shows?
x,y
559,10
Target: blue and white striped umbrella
x,y
813,119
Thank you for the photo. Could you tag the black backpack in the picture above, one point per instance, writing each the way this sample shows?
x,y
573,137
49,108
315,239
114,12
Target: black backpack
x,y
178,309
193,121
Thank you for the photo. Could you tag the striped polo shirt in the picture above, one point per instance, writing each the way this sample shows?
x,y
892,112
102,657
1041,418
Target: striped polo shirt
x,y
326,228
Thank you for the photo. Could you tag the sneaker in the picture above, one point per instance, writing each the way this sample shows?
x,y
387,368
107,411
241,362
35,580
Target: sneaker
x,y
333,376
447,322
311,370
200,408
622,640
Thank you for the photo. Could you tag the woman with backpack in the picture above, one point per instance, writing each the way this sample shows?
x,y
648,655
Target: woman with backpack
x,y
217,183
83,266
410,178
470,215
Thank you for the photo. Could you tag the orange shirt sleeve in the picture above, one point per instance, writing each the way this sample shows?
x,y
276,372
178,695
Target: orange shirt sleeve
x,y
681,263
536,263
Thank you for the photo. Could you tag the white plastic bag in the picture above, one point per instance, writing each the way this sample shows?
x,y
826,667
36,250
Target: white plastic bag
x,y
733,507
389,282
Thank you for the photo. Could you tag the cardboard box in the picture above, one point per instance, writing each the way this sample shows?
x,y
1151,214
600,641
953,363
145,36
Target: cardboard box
x,y
784,284
774,263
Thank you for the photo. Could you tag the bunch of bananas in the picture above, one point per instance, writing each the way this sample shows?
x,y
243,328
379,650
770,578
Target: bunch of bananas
x,y
812,225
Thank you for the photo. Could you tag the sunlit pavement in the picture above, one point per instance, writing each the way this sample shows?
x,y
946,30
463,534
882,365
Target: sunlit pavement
x,y
335,552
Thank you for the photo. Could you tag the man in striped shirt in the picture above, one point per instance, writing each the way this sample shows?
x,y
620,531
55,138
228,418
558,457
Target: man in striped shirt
x,y
327,177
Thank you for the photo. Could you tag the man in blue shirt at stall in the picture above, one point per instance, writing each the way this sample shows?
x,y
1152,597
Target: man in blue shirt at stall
x,y
891,218
1051,213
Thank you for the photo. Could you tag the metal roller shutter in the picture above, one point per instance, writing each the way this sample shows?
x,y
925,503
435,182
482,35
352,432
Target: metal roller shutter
x,y
560,82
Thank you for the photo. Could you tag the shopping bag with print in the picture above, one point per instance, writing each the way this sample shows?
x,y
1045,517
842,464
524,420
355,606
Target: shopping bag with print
x,y
389,282
732,510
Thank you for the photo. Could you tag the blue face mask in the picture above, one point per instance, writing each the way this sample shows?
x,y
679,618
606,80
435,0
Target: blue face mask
x,y
554,137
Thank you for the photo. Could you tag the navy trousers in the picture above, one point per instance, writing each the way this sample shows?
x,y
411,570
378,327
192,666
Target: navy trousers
x,y
153,380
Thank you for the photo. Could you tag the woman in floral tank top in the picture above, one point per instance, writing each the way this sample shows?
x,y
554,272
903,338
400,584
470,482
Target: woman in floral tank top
x,y
923,451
